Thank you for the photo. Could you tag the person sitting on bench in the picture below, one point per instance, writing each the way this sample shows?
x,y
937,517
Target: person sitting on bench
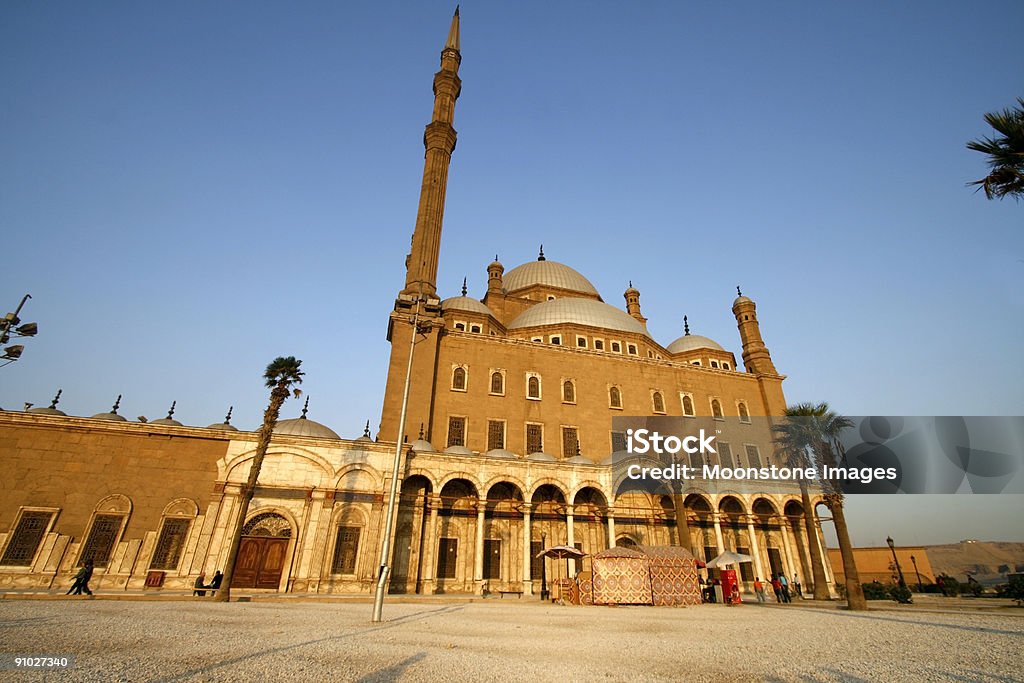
x,y
215,582
199,586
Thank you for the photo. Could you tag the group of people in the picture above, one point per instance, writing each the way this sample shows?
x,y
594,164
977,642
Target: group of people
x,y
201,588
780,586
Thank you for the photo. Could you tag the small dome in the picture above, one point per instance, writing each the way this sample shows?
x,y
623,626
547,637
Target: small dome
x,y
423,446
113,417
365,437
465,303
166,421
48,411
581,311
689,342
458,450
224,426
500,453
550,273
303,426
544,457
580,460
740,300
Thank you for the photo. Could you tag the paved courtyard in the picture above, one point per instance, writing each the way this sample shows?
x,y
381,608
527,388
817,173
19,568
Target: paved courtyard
x,y
514,640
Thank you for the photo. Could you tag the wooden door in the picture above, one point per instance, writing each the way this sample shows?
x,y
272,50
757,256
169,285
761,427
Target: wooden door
x,y
260,562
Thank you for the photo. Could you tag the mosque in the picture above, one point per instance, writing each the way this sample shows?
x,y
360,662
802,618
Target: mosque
x,y
508,447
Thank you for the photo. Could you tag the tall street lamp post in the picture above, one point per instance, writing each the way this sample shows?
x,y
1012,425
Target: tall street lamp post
x,y
899,570
9,325
914,561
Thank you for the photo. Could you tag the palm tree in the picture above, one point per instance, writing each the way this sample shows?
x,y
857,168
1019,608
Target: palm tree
x,y
795,437
1005,153
819,431
280,376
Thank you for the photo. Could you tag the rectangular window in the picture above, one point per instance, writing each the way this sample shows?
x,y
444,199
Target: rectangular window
x,y
536,563
599,345
346,550
534,438
24,542
570,442
724,454
170,544
581,342
495,434
102,537
556,339
632,349
616,347
475,328
618,442
753,457
492,559
447,556
456,431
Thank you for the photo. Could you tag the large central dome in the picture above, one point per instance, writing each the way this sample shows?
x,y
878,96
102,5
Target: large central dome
x,y
580,311
550,273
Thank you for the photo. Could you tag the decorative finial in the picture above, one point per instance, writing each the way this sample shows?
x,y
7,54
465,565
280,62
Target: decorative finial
x,y
56,399
686,326
738,292
366,430
541,257
421,430
227,418
631,284
463,286
305,409
117,404
578,452
171,411
495,257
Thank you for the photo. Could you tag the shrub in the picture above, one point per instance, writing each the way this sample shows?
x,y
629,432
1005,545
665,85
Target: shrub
x,y
875,591
950,586
901,594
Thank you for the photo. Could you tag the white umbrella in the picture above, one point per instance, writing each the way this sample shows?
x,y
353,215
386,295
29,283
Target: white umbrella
x,y
728,558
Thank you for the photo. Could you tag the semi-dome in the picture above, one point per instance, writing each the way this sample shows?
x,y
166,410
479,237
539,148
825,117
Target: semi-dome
x,y
500,453
170,421
48,411
224,426
689,342
303,426
458,450
581,311
423,446
465,303
113,417
544,457
550,273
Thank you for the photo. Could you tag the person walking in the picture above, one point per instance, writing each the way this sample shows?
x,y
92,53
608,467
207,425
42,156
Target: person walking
x,y
82,580
784,583
777,587
759,589
796,586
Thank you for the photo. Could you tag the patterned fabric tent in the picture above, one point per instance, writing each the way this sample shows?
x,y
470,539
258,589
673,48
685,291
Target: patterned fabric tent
x,y
673,575
621,577
647,575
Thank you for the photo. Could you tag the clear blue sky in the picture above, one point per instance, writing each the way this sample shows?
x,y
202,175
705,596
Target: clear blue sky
x,y
191,189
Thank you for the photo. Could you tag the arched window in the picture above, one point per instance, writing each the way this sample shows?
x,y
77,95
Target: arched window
x,y
716,408
687,405
497,383
459,379
614,397
658,401
744,415
105,528
533,387
568,391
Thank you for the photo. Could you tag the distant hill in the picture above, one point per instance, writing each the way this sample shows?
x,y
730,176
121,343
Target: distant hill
x,y
987,561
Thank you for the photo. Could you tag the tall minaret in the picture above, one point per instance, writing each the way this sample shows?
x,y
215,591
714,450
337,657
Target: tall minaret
x,y
439,141
756,358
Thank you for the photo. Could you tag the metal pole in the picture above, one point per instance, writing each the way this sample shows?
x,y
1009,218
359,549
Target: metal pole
x,y
385,548
920,589
899,570
8,321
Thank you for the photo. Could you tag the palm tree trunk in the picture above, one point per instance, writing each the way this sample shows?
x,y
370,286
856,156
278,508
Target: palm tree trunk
x,y
277,397
854,592
817,565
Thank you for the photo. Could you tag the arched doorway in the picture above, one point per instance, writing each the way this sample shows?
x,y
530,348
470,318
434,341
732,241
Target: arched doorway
x,y
263,552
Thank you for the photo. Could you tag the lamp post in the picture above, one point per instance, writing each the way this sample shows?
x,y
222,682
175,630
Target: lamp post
x,y
920,589
9,326
899,570
384,571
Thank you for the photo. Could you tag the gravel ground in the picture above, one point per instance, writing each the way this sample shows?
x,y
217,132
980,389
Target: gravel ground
x,y
505,640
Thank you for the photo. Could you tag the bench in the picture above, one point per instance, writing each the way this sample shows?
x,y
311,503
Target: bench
x,y
518,594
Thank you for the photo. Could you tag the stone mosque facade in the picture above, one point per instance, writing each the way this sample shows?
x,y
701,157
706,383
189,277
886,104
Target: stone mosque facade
x,y
508,448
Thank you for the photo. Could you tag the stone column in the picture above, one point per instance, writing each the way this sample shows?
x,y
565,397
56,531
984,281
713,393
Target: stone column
x,y
755,551
791,549
527,543
478,572
430,546
570,564
718,534
610,514
829,575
